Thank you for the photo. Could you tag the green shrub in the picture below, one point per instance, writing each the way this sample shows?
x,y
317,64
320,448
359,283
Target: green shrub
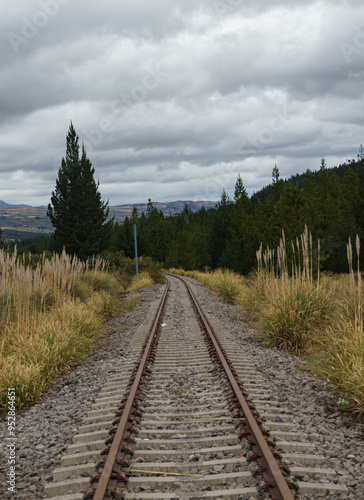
x,y
130,304
295,315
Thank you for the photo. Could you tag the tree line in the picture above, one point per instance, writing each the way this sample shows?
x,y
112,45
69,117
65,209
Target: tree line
x,y
331,205
330,202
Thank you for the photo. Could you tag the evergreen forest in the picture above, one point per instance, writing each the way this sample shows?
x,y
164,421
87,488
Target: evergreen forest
x,y
330,202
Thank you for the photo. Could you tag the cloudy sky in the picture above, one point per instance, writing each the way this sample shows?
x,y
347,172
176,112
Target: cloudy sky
x,y
174,98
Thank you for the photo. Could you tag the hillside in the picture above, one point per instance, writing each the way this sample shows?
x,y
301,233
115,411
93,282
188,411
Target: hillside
x,y
168,208
339,171
3,204
22,221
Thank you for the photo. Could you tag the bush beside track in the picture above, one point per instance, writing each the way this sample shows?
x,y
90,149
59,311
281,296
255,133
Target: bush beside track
x,y
319,318
52,308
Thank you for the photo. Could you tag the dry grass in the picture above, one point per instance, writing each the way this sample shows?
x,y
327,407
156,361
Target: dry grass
x,y
341,357
144,280
225,282
299,310
130,304
291,309
50,317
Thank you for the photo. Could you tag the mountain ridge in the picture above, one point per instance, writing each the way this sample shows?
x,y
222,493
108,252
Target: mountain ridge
x,y
190,203
3,204
24,221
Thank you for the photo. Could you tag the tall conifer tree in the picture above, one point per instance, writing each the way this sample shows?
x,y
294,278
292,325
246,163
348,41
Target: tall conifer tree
x,y
77,213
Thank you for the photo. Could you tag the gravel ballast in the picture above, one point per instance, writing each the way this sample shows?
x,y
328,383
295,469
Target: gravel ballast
x,y
44,430
313,402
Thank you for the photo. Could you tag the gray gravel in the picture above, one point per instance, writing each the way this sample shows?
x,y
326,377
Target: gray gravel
x,y
312,401
45,430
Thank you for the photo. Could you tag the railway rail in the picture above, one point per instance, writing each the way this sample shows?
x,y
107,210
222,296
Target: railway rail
x,y
188,420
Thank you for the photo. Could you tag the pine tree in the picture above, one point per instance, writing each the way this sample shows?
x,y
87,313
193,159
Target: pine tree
x,y
126,238
309,192
329,202
349,203
360,155
221,231
134,215
274,229
289,213
1,239
149,207
241,229
277,184
76,211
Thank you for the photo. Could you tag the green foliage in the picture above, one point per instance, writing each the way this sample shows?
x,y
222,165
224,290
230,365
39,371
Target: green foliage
x,y
142,281
147,265
124,267
293,314
130,304
330,202
228,287
76,211
35,245
89,282
156,234
220,236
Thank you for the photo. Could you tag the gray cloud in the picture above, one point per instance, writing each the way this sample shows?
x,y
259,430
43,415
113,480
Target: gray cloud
x,y
173,99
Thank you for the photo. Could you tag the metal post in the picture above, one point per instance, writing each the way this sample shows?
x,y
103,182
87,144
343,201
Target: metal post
x,y
136,248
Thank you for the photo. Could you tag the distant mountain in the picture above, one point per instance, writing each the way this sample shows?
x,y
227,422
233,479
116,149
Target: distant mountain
x,y
24,221
167,208
3,204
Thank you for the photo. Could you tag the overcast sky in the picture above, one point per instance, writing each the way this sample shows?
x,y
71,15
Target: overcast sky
x,y
174,98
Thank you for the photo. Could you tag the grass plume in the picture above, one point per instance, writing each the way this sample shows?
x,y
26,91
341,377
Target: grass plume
x,y
50,316
296,308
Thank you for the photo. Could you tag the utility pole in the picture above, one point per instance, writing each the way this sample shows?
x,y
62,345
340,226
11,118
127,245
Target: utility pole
x,y
136,248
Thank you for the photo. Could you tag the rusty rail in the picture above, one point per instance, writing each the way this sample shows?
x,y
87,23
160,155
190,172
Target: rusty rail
x,y
274,478
121,430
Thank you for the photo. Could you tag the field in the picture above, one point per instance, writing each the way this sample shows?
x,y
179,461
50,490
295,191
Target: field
x,y
25,222
51,314
303,312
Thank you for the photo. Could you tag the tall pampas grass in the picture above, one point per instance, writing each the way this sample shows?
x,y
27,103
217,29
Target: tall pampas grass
x,y
297,308
50,316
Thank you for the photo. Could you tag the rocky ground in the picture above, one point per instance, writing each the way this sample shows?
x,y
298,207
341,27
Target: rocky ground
x,y
44,430
313,402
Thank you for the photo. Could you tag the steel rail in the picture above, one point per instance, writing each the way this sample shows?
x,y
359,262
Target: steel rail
x,y
118,438
273,474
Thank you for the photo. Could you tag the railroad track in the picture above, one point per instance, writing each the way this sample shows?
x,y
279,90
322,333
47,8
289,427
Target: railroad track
x,y
189,419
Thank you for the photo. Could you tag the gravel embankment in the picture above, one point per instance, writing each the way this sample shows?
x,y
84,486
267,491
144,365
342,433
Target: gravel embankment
x,y
45,430
312,401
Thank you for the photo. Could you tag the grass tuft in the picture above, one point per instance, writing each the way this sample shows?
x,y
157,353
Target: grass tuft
x,y
50,317
130,304
303,312
289,317
227,283
144,280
